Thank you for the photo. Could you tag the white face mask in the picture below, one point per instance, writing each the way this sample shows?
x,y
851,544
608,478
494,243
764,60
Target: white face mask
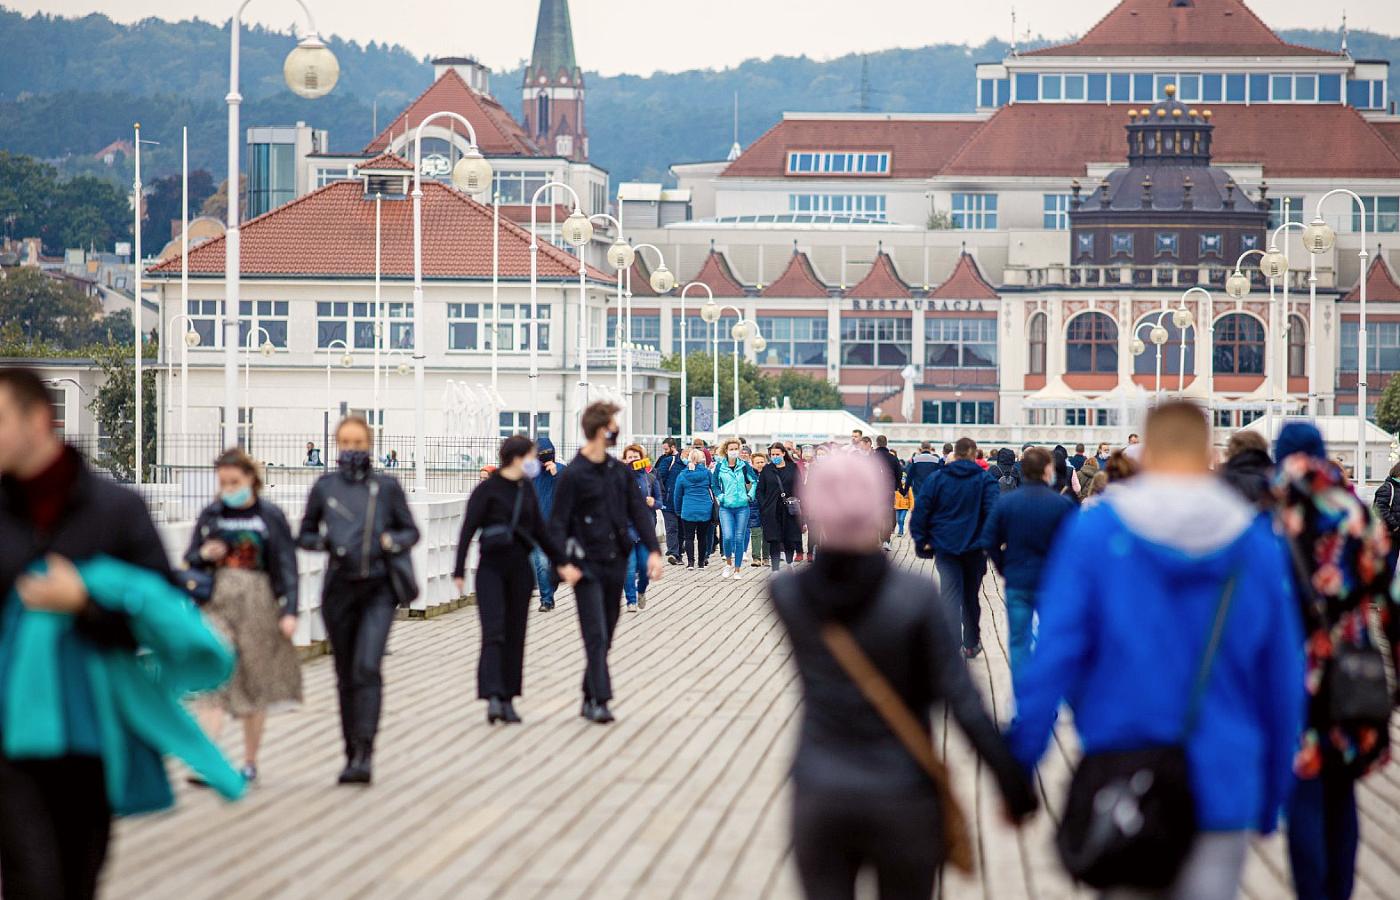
x,y
733,455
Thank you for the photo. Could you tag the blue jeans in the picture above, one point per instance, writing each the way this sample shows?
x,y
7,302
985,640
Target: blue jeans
x,y
1322,837
734,525
636,581
1020,618
899,516
544,577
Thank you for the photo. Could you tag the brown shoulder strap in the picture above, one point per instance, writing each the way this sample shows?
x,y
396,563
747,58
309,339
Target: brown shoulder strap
x,y
881,695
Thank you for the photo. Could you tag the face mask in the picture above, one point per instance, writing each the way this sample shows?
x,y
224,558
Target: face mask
x,y
532,467
239,498
777,458
354,462
611,436
733,455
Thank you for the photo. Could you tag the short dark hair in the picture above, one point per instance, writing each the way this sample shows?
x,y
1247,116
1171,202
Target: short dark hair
x,y
514,447
668,442
1034,464
947,448
1078,448
596,417
965,448
26,387
882,441
1241,441
925,446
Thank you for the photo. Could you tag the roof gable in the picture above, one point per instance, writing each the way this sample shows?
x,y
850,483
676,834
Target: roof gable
x,y
385,162
497,133
882,282
1179,28
719,277
799,279
966,283
330,233
1380,283
641,276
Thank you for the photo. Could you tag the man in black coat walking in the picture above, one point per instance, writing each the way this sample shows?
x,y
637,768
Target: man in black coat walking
x,y
890,461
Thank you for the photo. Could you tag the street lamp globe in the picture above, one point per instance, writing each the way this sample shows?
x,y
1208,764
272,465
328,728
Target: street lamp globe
x,y
403,368
1318,236
267,349
759,344
1237,285
311,69
740,331
346,361
192,338
472,174
1183,318
621,255
577,229
1137,347
710,312
1159,335
662,280
1274,264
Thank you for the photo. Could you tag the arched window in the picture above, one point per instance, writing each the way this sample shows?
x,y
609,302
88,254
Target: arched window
x,y
1297,347
1239,345
1146,363
1091,344
1036,359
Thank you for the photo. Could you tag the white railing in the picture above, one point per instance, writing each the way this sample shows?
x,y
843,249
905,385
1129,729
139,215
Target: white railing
x,y
642,357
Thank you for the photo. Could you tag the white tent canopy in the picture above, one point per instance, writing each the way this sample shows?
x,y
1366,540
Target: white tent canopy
x,y
1055,395
801,425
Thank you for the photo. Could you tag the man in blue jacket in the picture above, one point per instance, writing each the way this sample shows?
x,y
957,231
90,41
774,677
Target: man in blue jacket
x,y
921,466
663,470
1122,640
544,483
1018,538
950,512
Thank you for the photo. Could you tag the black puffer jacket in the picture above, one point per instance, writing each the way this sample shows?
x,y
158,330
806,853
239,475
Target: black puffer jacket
x,y
348,514
280,552
778,523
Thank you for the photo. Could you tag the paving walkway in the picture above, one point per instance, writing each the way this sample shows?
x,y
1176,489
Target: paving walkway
x,y
685,796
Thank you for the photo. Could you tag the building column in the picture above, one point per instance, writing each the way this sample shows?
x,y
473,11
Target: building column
x,y
1125,340
833,340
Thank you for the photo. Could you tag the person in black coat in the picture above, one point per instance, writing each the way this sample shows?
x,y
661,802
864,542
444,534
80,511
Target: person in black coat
x,y
1249,469
504,512
362,520
860,798
778,483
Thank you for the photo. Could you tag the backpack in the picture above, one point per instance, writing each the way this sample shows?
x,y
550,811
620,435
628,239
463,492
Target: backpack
x,y
1006,480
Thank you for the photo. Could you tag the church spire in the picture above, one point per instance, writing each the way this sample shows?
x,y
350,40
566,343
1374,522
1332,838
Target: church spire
x,y
553,86
553,55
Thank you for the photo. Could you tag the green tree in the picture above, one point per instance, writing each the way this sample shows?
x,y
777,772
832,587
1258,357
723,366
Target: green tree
x,y
78,212
45,310
1388,407
163,207
114,407
756,387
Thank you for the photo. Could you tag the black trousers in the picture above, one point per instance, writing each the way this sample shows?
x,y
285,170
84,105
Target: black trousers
x,y
778,550
358,616
835,837
960,584
503,586
598,597
693,533
54,827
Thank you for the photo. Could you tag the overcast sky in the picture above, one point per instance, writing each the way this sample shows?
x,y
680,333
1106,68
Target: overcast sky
x,y
644,36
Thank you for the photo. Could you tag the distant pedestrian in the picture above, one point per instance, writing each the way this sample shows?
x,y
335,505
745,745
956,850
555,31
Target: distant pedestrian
x,y
1249,469
950,513
244,541
667,467
1102,455
1077,460
313,456
779,507
895,471
875,651
903,502
1018,537
1387,506
758,547
1006,472
922,464
1087,473
361,519
635,582
734,484
544,481
694,501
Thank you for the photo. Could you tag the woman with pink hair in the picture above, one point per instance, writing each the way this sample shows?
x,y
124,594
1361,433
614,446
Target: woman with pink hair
x,y
861,798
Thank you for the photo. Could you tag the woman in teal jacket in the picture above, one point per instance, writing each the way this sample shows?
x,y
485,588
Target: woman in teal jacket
x,y
734,483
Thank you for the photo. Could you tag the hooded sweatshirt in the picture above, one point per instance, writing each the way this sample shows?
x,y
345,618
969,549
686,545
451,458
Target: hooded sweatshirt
x,y
1121,641
951,509
545,482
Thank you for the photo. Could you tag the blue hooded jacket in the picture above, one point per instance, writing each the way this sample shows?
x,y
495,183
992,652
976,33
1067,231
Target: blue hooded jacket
x,y
545,482
951,509
1121,641
920,467
693,501
1025,521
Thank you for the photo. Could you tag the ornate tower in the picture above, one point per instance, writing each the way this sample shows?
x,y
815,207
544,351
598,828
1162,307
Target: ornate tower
x,y
553,88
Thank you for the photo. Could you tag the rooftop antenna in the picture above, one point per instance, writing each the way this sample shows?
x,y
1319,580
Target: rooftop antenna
x,y
1014,51
864,84
1344,32
734,148
374,117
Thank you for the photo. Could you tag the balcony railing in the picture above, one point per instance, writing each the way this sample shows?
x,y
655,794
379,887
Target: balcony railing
x,y
642,358
1158,276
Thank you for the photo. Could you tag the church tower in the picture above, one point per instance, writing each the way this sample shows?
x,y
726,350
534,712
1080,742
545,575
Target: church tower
x,y
553,88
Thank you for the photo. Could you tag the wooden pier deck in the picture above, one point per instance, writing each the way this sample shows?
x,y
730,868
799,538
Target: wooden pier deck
x,y
685,796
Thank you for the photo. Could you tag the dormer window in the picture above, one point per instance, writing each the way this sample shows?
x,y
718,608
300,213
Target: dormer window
x,y
386,185
844,162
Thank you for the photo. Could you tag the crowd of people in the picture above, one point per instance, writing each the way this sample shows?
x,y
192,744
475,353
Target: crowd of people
x,y
1227,648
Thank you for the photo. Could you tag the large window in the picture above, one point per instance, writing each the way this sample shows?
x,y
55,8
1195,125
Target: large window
x,y
272,319
1382,214
698,331
272,177
876,342
517,187
869,205
1295,211
469,327
1382,347
204,318
975,212
794,340
809,162
1239,345
959,412
1056,212
1298,347
1145,363
1036,342
353,323
519,423
960,343
1091,344
646,330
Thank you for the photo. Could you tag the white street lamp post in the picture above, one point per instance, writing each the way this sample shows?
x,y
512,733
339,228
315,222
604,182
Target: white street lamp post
x,y
578,231
138,204
1158,335
267,349
311,71
376,412
1210,347
620,257
191,339
346,361
712,313
685,371
1182,319
662,281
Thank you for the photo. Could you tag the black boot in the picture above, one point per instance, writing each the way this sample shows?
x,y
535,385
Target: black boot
x,y
512,717
358,770
599,714
495,711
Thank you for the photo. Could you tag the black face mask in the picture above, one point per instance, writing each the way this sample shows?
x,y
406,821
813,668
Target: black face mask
x,y
611,437
355,464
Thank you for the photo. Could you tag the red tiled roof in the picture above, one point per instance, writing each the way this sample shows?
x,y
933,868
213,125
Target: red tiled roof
x,y
497,133
918,149
717,275
882,282
1190,28
799,279
330,232
519,213
1390,131
966,283
1060,138
386,161
1380,283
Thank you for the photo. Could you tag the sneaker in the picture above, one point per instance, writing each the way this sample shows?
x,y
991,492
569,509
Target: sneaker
x,y
726,571
631,607
249,773
673,559
738,573
972,652
546,607
690,565
641,600
887,545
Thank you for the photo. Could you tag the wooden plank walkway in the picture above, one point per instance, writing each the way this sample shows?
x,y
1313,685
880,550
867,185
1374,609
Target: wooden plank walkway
x,y
685,796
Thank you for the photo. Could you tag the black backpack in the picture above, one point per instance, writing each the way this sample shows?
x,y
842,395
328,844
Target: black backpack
x,y
1006,480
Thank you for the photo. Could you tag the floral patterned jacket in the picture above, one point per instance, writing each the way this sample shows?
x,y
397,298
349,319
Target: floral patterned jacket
x,y
1340,549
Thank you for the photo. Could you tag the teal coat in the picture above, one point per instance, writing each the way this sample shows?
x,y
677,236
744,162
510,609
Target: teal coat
x,y
734,486
134,699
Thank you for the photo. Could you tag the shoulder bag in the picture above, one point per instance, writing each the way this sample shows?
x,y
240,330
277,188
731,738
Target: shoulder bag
x,y
792,504
1130,817
496,538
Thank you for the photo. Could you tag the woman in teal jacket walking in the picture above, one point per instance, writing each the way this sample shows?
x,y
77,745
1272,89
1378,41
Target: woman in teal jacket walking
x,y
733,483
